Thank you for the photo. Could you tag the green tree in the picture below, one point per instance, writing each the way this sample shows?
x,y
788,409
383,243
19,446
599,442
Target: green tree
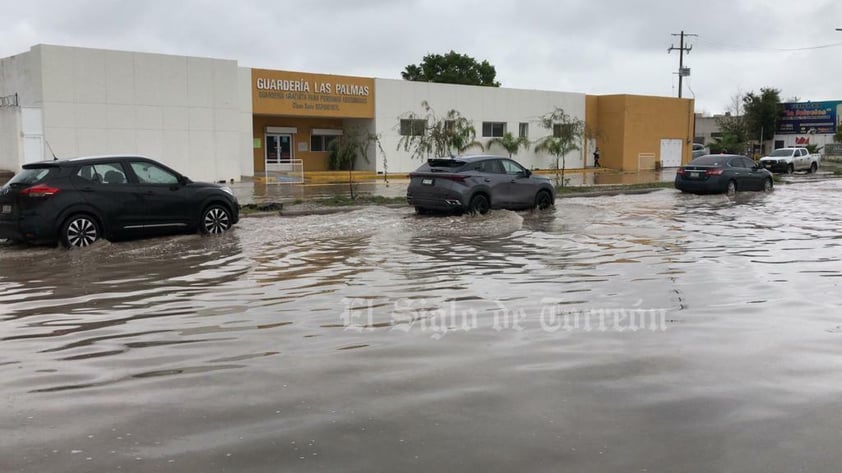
x,y
733,135
452,68
566,135
438,136
813,148
355,142
838,136
509,143
761,112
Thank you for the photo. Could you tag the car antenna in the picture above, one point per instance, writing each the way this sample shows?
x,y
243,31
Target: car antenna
x,y
51,150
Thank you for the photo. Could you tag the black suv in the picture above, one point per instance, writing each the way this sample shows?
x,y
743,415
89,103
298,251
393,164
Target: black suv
x,y
78,201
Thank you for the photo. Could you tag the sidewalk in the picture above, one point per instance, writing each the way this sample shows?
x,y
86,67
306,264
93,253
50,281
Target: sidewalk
x,y
328,184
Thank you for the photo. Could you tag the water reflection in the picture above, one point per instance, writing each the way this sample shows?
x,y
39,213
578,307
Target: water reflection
x,y
294,344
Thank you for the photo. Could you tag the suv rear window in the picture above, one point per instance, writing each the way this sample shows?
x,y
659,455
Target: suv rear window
x,y
441,164
29,176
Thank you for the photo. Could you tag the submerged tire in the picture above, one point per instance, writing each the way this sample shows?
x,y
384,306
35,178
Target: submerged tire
x,y
215,219
768,185
790,169
813,168
732,188
543,200
479,205
79,231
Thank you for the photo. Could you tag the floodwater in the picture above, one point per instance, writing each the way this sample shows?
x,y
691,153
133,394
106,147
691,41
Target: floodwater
x,y
254,192
658,332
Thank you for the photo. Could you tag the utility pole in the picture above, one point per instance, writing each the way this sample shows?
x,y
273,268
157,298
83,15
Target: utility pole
x,y
681,49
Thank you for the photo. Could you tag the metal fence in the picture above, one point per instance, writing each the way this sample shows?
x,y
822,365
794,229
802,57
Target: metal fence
x,y
290,171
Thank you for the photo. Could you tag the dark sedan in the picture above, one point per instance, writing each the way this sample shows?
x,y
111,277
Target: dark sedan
x,y
78,201
718,173
476,184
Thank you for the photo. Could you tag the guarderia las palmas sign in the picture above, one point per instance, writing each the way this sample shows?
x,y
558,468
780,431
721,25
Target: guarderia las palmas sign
x,y
315,95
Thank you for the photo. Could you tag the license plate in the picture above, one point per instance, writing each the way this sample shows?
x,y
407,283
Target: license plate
x,y
694,174
7,209
768,165
427,182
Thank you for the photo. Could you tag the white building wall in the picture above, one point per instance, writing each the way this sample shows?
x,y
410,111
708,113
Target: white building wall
x,y
183,111
790,141
245,123
395,99
21,75
10,139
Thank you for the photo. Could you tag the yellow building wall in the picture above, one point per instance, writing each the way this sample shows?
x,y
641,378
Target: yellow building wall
x,y
591,124
610,131
313,161
628,125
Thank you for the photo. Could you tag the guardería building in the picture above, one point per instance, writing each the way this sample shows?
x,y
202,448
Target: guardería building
x,y
215,120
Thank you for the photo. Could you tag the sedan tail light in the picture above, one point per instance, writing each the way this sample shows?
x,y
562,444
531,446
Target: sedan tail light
x,y
715,172
40,190
680,171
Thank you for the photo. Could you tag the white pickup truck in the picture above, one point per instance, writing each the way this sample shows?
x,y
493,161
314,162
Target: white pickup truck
x,y
789,160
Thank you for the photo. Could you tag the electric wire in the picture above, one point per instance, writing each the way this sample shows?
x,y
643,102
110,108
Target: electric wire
x,y
749,48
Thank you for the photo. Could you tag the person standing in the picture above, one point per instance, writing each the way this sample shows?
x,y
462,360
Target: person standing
x,y
596,158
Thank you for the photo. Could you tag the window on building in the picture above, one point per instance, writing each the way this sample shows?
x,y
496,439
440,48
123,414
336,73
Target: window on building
x,y
413,127
523,130
558,128
493,129
449,125
322,142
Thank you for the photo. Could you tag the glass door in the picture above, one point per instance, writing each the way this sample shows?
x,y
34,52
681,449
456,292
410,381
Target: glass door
x,y
279,149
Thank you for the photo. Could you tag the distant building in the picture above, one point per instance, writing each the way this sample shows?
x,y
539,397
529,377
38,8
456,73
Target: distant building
x,y
800,124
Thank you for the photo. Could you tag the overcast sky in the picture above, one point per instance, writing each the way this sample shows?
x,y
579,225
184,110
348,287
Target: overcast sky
x,y
591,46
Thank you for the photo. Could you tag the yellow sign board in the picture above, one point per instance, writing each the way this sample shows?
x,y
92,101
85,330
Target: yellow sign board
x,y
311,95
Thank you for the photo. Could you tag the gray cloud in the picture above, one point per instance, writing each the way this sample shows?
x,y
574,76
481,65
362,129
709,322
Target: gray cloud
x,y
597,46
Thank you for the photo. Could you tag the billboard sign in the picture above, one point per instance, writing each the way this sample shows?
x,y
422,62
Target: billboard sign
x,y
810,118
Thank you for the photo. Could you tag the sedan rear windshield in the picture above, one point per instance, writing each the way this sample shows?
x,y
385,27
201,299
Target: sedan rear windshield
x,y
29,176
708,161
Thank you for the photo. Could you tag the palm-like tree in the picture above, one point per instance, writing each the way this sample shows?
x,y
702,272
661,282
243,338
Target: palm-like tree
x,y
509,143
566,134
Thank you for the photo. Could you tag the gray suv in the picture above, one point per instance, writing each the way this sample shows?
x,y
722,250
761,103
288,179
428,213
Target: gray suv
x,y
476,184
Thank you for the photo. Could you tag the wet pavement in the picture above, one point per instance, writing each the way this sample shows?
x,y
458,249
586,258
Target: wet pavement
x,y
657,332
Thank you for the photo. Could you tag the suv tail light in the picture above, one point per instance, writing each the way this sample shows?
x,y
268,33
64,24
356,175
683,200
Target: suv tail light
x,y
454,177
40,190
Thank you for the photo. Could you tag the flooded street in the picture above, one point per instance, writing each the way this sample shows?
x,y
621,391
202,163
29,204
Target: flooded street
x,y
659,332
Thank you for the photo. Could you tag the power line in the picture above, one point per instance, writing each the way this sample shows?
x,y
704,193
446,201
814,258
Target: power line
x,y
749,48
681,49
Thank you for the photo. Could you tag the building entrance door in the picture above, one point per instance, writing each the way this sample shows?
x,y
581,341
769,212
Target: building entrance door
x,y
279,148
